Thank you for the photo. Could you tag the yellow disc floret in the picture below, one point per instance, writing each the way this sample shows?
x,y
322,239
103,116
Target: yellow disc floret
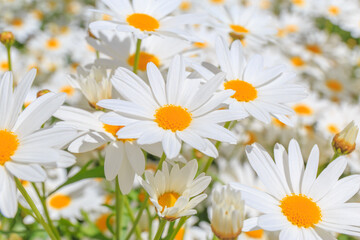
x,y
238,28
171,117
168,199
244,91
9,144
144,59
334,85
302,109
257,234
143,22
112,129
59,201
300,210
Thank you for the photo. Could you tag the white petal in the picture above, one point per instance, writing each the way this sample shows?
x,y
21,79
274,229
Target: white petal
x,y
126,177
296,165
136,157
311,170
8,195
273,222
171,144
157,83
114,156
28,172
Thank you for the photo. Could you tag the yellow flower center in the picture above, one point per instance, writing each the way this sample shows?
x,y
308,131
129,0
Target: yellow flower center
x,y
106,17
334,10
143,22
277,122
314,48
69,90
144,59
59,201
52,43
300,210
238,28
255,234
4,66
298,2
200,44
9,144
171,117
101,222
334,85
297,61
244,91
217,1
292,28
185,5
333,129
168,200
17,22
302,109
113,130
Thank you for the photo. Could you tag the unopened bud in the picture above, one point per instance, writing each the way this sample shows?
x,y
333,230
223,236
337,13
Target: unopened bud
x,y
42,92
344,142
7,38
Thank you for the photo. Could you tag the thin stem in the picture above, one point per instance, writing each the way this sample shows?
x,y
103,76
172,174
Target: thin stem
x,y
9,57
119,209
137,56
335,156
160,229
131,214
35,210
138,216
162,159
178,227
43,203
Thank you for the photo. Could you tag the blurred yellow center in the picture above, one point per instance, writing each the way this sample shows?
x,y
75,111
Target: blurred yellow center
x,y
69,90
292,28
143,22
52,43
255,234
238,28
297,61
302,109
101,222
200,44
314,49
300,210
9,144
144,59
59,201
171,117
334,10
298,2
168,200
17,22
332,128
4,66
217,1
244,91
334,85
185,5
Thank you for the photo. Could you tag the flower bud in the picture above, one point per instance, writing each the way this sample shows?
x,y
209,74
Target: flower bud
x,y
227,213
42,92
344,142
7,38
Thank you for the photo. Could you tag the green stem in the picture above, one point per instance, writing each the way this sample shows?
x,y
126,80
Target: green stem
x,y
217,145
335,156
128,208
162,159
170,229
160,229
35,210
178,227
119,209
9,57
137,56
138,216
43,203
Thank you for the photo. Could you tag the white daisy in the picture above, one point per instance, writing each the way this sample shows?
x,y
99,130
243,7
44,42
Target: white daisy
x,y
262,92
145,17
297,203
178,110
25,148
175,193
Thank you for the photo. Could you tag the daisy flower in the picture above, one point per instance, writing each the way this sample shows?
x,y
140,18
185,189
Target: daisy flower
x,y
297,203
25,148
179,110
261,92
145,17
123,156
175,192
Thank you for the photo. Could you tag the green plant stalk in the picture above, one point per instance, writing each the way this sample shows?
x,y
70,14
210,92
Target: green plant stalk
x,y
160,229
35,210
119,203
128,208
46,211
178,227
137,56
162,159
138,216
9,57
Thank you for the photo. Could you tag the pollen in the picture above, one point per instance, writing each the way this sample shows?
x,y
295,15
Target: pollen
x,y
302,109
334,10
171,117
300,210
112,129
168,199
52,43
314,48
297,61
144,59
238,28
60,201
334,85
244,91
143,22
8,146
257,234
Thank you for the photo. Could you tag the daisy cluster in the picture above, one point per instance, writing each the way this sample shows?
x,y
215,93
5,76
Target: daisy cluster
x,y
167,119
